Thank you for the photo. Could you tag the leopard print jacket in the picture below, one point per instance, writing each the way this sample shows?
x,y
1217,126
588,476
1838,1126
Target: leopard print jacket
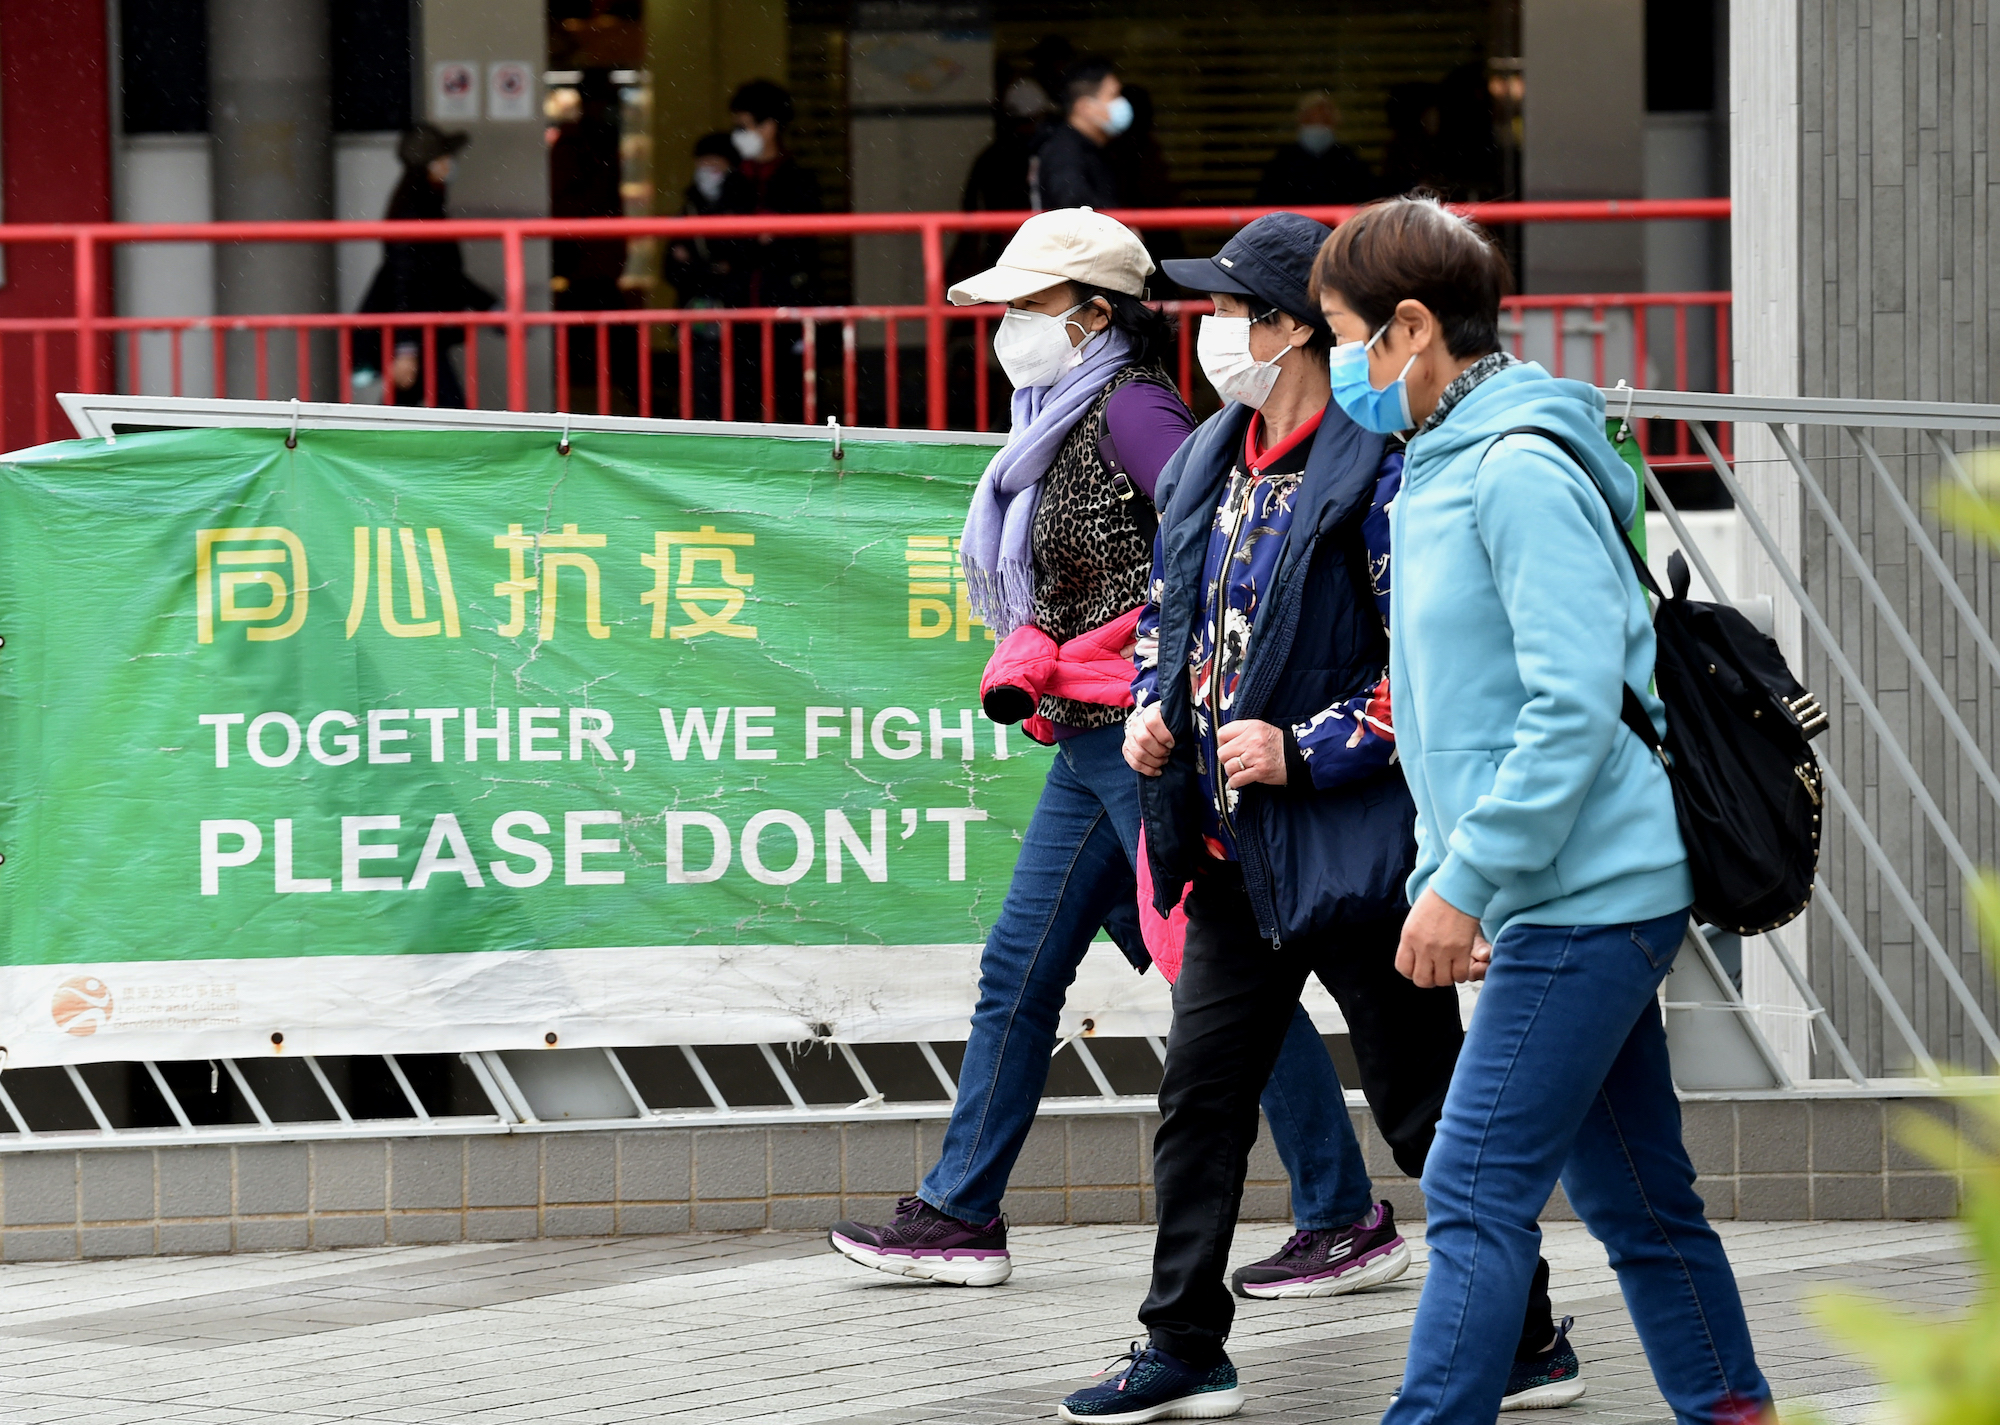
x,y
1092,564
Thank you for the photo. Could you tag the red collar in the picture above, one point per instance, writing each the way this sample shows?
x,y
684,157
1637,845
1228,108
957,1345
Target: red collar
x,y
1256,457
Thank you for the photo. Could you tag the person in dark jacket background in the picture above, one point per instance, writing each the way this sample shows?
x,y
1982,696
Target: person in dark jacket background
x,y
706,271
780,272
1316,169
1071,169
421,277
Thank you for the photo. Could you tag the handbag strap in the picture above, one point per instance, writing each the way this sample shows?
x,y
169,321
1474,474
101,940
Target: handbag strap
x,y
1632,712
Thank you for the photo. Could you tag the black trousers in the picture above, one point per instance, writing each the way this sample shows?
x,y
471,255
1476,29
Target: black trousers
x,y
1233,999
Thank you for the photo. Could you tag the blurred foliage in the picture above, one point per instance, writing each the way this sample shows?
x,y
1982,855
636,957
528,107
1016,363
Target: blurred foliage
x,y
1946,1370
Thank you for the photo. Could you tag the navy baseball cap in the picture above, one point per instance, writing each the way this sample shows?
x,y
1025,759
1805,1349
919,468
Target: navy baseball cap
x,y
1270,260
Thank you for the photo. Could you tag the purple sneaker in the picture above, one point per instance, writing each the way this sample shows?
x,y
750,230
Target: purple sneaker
x,y
923,1242
1330,1262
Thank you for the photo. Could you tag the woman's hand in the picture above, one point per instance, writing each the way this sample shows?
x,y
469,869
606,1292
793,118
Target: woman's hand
x,y
1148,744
1251,752
1439,945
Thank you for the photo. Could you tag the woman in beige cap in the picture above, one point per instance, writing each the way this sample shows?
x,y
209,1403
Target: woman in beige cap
x,y
1058,551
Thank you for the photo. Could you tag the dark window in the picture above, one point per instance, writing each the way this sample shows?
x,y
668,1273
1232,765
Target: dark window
x,y
163,47
1680,56
371,65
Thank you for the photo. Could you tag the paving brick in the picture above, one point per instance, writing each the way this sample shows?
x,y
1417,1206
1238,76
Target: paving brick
x,y
1265,1203
729,1216
731,1163
117,1241
1044,1157
1772,1136
1773,1198
116,1187
805,1160
877,1157
1847,1198
1709,1132
274,1234
577,1222
1105,1205
350,1177
38,1246
427,1172
1265,1164
656,1166
1718,1196
1036,1205
797,1214
196,1182
357,1231
273,1177
426,1226
652,1218
192,1238
502,1224
1921,1195
1103,1152
579,1167
1847,1136
38,1188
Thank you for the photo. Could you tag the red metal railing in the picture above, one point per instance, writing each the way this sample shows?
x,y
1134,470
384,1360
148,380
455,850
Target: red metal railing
x,y
658,361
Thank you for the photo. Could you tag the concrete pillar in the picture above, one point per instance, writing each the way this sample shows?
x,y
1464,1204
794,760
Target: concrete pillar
x,y
271,123
504,172
164,178
1584,109
1765,346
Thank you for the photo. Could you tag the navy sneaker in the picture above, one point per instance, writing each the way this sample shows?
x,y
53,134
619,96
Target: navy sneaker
x,y
1155,1386
923,1242
1330,1262
1555,1377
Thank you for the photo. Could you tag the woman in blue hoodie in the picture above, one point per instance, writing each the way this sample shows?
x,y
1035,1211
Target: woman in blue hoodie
x,y
1549,861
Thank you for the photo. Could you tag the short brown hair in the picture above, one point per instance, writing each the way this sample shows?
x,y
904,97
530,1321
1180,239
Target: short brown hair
x,y
1417,249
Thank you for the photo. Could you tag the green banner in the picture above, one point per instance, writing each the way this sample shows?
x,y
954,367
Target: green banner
x,y
413,693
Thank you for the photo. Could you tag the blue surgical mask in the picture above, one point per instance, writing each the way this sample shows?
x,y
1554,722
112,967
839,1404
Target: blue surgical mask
x,y
1118,115
1385,411
1316,139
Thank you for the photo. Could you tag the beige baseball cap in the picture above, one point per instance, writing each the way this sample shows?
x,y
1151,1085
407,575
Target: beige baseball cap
x,y
1062,245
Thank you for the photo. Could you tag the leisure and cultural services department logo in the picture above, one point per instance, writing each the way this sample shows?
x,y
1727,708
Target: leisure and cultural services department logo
x,y
82,1006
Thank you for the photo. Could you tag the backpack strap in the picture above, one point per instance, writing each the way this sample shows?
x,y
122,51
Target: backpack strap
x,y
1632,712
1122,485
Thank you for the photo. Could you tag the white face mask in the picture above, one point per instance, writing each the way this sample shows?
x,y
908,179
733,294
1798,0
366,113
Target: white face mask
x,y
708,182
1223,344
1034,347
749,143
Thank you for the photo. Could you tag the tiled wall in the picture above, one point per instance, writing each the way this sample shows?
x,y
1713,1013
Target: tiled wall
x,y
1794,1158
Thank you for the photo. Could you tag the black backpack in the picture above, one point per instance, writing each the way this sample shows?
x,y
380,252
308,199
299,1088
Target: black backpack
x,y
1738,750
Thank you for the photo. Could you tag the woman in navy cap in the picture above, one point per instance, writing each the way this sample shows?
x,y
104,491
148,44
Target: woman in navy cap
x,y
1269,786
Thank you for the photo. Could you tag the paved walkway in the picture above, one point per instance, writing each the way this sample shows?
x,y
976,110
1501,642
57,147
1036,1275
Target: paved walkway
x,y
776,1328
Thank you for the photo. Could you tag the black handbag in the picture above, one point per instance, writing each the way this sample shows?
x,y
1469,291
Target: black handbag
x,y
1738,750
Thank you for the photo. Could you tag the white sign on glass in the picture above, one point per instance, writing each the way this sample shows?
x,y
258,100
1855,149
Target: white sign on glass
x,y
510,90
454,90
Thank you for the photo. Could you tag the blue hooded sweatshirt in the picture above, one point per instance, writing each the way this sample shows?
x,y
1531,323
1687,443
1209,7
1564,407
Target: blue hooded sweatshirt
x,y
1517,622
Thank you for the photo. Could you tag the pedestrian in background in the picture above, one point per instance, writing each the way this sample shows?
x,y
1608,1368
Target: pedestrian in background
x,y
1071,169
777,271
1551,862
708,271
420,277
1315,169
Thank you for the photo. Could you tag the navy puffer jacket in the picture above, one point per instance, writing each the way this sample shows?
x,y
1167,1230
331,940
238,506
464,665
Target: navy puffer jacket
x,y
1313,861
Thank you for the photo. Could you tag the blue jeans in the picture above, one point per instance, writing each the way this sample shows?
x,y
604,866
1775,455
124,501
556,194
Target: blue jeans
x,y
1075,874
1564,1076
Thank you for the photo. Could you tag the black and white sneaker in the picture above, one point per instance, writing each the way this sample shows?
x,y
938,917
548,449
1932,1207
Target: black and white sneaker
x,y
922,1242
1555,1377
1331,1262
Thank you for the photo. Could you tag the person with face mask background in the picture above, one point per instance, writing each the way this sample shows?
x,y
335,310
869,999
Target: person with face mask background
x,y
1315,169
708,271
1268,780
1071,169
1057,553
